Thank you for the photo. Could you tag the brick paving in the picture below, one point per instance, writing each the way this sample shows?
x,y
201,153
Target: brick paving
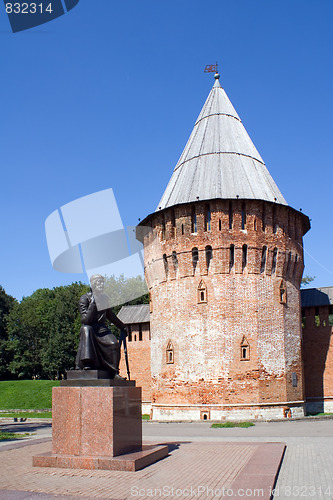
x,y
200,470
199,456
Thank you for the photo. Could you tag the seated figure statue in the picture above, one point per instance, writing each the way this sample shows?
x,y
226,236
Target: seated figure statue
x,y
98,348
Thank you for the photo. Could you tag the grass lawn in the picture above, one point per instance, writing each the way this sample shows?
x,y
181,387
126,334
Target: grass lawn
x,y
12,435
30,414
233,424
319,414
26,394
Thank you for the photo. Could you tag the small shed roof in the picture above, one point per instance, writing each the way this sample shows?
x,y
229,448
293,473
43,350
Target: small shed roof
x,y
134,314
315,297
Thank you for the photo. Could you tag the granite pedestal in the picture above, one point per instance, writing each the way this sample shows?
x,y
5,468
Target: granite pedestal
x,y
97,424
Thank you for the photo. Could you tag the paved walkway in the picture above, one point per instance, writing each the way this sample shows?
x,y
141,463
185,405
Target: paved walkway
x,y
202,462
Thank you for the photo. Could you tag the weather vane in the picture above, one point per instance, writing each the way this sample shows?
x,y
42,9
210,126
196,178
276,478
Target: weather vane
x,y
211,68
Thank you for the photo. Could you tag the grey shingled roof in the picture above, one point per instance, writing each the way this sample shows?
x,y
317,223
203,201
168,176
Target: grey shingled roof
x,y
219,160
134,314
315,297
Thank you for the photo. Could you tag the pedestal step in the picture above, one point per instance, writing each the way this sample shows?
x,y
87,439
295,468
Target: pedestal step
x,y
129,462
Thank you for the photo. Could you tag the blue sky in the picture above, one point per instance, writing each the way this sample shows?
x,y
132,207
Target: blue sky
x,y
107,95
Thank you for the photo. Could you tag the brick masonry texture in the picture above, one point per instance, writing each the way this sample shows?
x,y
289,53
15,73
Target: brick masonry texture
x,y
318,358
139,359
223,275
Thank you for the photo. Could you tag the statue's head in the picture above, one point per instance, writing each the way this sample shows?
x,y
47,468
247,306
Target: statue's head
x,y
97,283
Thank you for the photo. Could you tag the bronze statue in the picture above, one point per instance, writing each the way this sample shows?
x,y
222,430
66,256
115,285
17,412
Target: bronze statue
x,y
98,348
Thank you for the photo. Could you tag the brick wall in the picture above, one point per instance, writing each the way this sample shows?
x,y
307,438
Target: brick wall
x,y
250,295
139,358
317,353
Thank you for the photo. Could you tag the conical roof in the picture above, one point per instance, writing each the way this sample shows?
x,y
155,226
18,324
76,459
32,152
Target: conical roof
x,y
219,160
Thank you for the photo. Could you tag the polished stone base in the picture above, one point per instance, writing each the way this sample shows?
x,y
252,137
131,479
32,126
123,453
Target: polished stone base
x,y
96,421
96,428
129,462
82,378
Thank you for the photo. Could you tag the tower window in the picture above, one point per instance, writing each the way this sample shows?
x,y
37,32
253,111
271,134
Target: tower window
x,y
274,220
207,218
245,350
173,223
204,414
330,315
182,228
275,252
231,256
303,318
289,263
194,221
289,224
175,262
163,230
283,293
202,293
244,257
243,216
263,260
129,329
140,333
166,265
230,215
169,353
195,258
317,317
220,225
209,256
263,217
295,267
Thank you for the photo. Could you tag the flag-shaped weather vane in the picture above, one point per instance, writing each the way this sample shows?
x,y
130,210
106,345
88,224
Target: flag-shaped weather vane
x,y
211,68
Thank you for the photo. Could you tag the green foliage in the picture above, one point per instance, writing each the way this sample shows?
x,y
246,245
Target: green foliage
x,y
120,289
318,414
244,425
12,435
6,304
26,414
43,332
39,336
26,394
145,417
306,280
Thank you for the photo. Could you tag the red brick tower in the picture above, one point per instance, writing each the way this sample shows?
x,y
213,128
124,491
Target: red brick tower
x,y
224,273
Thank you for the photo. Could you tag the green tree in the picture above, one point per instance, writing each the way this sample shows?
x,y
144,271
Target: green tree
x,y
121,288
6,304
306,280
43,331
